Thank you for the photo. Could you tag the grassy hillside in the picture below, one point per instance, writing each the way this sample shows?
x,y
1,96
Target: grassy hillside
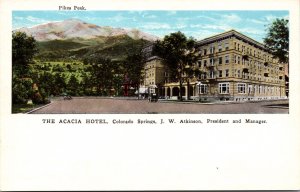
x,y
115,48
59,45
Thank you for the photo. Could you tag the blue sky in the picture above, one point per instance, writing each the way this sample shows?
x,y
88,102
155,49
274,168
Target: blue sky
x,y
199,24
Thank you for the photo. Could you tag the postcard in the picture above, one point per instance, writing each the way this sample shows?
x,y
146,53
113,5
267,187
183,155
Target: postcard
x,y
131,95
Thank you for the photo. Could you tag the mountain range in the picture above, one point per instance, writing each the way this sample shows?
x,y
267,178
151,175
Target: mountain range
x,y
75,39
75,28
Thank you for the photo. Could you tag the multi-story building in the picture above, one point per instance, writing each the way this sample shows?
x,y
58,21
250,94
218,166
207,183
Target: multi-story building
x,y
153,74
233,67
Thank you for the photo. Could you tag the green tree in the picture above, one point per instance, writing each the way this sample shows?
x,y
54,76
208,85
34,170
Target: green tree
x,y
86,84
47,84
21,90
60,83
73,85
102,71
23,49
277,39
177,53
133,66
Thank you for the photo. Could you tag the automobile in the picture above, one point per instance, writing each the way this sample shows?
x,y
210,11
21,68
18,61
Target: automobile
x,y
66,96
153,97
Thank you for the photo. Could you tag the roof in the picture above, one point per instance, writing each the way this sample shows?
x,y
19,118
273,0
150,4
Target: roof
x,y
232,33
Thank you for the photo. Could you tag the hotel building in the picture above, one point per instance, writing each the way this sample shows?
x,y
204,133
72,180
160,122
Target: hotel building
x,y
233,67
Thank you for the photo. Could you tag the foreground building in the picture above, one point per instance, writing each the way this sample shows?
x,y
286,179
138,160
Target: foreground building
x,y
233,67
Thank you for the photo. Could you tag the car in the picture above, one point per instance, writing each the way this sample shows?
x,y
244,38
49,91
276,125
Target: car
x,y
66,96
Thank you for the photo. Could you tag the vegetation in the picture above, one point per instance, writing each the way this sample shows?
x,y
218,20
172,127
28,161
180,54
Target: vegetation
x,y
23,50
75,67
115,48
178,54
277,39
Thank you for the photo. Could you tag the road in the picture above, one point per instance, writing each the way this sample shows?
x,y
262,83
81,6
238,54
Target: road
x,y
123,106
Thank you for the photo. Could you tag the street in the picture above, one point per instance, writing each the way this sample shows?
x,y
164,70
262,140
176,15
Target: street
x,y
98,105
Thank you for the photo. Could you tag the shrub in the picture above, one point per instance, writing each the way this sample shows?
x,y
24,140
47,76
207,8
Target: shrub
x,y
21,90
37,98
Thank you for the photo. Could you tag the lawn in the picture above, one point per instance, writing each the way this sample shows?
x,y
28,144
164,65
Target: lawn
x,y
24,108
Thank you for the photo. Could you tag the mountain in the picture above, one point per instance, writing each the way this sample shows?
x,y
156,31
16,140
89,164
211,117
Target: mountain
x,y
114,47
75,28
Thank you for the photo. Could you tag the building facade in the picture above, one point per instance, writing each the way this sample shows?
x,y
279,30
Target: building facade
x,y
233,67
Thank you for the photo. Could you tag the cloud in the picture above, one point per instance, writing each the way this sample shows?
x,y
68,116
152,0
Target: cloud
x,y
118,18
206,18
256,21
18,18
171,13
90,18
270,18
151,17
181,25
200,34
223,27
36,20
231,18
251,31
155,26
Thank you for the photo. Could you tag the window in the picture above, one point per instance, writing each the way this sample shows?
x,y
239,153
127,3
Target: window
x,y
238,59
204,51
200,52
212,50
211,74
244,75
205,62
199,63
249,88
224,88
202,89
220,60
220,47
239,73
241,88
220,73
227,72
227,59
211,61
226,46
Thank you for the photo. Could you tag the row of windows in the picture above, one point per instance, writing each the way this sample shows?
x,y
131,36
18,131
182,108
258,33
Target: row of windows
x,y
242,88
212,61
251,52
237,46
212,48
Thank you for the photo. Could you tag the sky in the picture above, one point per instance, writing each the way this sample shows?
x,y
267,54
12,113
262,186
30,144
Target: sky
x,y
198,24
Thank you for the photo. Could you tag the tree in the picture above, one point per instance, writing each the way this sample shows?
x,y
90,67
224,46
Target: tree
x,y
47,84
178,53
73,85
60,83
23,49
21,90
277,39
133,66
102,71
